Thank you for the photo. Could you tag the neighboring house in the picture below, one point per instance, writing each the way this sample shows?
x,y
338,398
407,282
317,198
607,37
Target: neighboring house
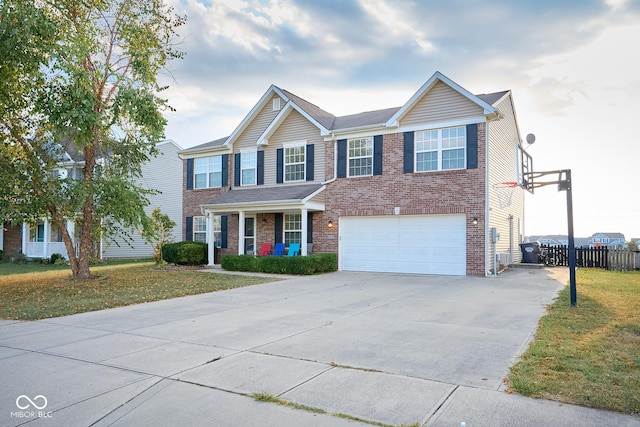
x,y
41,239
559,240
405,189
161,173
607,239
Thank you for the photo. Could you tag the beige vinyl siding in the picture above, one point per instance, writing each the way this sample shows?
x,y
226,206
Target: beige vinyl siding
x,y
503,138
162,173
318,198
441,104
295,128
249,137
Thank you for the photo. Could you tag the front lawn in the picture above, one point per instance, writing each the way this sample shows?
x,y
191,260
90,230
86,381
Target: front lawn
x,y
590,354
50,292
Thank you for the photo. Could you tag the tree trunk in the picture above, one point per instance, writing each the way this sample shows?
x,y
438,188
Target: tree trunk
x,y
83,272
68,244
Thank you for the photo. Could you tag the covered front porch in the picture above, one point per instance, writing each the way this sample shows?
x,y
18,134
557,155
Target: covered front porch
x,y
283,214
41,239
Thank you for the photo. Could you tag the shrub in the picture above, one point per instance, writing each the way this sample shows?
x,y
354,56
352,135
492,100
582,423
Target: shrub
x,y
55,257
192,253
61,261
185,253
312,264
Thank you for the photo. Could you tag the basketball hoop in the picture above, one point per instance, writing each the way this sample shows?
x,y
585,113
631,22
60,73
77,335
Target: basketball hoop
x,y
504,191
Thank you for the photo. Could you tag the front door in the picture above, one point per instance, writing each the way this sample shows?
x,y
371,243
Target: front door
x,y
249,235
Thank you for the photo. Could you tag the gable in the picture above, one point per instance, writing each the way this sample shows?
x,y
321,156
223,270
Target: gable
x,y
441,104
250,135
295,128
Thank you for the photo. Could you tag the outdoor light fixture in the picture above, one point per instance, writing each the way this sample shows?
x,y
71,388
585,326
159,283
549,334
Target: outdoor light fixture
x,y
330,225
475,220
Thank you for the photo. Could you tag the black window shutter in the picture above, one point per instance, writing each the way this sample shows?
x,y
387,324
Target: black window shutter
x,y
377,155
236,169
472,146
189,174
224,220
408,152
279,165
342,158
309,227
225,170
189,231
278,227
310,162
260,168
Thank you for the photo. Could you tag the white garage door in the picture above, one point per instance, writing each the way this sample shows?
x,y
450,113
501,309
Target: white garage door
x,y
425,244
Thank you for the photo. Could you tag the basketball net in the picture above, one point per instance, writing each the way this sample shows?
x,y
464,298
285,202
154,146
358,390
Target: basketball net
x,y
504,191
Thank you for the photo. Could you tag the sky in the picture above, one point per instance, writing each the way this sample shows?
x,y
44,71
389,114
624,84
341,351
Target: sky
x,y
573,67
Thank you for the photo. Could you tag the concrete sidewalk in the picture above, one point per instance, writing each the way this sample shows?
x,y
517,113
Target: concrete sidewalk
x,y
394,349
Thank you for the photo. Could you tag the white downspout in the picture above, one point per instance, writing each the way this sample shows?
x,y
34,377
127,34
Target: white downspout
x,y
335,160
486,203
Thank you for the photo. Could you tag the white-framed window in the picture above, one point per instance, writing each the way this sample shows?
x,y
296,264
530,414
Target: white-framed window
x,y
360,157
292,229
276,104
207,172
249,167
200,229
441,149
294,163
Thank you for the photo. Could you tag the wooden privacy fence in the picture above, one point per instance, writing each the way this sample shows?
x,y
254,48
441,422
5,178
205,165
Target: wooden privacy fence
x,y
603,257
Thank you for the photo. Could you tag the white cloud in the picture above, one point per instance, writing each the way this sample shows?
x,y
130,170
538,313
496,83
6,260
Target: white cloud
x,y
396,24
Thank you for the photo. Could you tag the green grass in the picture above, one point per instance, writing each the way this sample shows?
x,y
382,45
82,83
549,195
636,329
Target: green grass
x,y
51,292
590,354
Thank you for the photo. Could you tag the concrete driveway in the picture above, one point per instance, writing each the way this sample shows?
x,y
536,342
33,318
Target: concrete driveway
x,y
395,349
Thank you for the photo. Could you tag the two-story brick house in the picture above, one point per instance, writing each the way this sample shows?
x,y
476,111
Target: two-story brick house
x,y
405,189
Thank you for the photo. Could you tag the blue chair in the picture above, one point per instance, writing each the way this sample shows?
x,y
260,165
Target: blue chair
x,y
294,249
279,249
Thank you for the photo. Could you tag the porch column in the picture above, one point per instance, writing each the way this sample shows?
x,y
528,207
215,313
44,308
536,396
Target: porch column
x,y
241,233
25,237
47,237
303,239
211,239
1,236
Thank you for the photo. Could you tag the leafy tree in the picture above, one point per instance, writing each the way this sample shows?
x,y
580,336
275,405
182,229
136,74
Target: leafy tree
x,y
632,245
81,76
159,233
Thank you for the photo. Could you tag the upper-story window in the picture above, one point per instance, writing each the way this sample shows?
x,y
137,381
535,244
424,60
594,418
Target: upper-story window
x,y
360,153
208,172
441,149
294,162
249,166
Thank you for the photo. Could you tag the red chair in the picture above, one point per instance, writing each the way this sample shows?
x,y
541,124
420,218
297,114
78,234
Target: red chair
x,y
265,249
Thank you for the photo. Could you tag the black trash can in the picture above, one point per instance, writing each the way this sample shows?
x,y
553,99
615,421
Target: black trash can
x,y
530,252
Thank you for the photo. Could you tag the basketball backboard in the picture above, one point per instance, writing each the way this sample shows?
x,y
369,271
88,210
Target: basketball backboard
x,y
524,168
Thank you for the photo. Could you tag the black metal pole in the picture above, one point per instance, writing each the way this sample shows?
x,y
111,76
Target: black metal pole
x,y
572,247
